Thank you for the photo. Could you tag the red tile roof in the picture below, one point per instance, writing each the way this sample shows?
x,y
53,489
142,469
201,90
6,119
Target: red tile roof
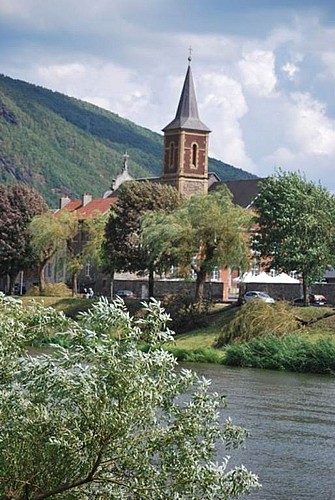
x,y
72,205
99,205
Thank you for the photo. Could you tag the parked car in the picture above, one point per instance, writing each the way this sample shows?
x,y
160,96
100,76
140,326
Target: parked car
x,y
314,300
125,294
17,289
255,294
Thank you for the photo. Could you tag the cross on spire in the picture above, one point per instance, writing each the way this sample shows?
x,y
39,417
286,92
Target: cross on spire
x,y
190,55
125,161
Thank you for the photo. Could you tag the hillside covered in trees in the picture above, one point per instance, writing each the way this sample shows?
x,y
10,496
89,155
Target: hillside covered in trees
x,y
61,145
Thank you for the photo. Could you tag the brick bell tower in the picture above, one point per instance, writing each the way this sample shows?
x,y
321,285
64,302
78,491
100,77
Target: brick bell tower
x,y
185,163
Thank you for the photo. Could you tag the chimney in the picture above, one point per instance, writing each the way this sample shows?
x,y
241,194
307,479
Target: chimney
x,y
86,198
63,201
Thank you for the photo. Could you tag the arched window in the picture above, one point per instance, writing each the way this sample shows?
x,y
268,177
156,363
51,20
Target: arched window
x,y
194,155
171,154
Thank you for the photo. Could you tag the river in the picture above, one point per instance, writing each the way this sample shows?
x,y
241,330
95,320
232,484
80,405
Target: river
x,y
291,419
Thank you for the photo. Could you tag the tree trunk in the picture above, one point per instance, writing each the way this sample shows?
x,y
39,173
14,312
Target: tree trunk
x,y
12,278
74,284
305,291
151,283
41,277
199,287
112,285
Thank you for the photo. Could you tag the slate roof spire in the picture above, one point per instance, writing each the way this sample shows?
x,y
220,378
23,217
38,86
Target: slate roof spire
x,y
187,116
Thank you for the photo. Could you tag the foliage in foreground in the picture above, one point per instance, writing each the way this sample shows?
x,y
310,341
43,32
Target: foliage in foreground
x,y
256,319
103,419
292,353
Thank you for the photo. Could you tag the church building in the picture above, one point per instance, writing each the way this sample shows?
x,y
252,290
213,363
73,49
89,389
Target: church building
x,y
184,166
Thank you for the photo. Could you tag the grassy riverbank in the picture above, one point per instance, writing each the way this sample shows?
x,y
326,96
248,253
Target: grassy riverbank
x,y
310,348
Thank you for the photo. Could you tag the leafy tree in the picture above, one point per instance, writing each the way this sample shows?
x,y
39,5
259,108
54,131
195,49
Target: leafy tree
x,y
103,419
123,248
18,205
295,226
91,234
205,232
79,240
50,234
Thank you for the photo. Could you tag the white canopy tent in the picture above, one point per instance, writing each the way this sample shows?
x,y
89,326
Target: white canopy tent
x,y
284,278
265,278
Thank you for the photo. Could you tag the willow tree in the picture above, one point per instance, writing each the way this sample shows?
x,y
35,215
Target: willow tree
x,y
85,246
50,234
206,231
295,226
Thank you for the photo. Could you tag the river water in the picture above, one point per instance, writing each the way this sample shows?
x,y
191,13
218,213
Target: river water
x,y
291,419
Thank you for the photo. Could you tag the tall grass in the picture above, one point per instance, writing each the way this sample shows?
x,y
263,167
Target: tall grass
x,y
258,319
291,352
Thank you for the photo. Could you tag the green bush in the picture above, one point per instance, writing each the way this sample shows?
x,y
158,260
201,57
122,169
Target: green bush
x,y
186,315
292,353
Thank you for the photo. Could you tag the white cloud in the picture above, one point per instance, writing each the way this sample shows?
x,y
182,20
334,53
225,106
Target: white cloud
x,y
316,168
291,69
102,83
257,72
222,105
328,59
312,131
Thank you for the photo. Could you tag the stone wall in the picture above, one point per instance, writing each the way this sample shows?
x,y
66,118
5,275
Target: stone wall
x,y
282,291
213,291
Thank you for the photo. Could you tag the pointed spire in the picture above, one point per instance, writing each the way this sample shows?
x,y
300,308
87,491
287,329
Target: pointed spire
x,y
187,116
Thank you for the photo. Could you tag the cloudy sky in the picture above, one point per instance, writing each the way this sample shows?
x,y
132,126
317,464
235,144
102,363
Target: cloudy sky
x,y
264,70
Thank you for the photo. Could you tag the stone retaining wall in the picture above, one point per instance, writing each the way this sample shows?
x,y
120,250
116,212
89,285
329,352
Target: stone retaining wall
x,y
282,291
213,291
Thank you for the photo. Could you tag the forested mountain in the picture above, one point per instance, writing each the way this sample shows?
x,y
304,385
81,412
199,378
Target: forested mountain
x,y
61,145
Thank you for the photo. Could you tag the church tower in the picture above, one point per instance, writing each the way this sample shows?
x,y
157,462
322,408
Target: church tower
x,y
185,163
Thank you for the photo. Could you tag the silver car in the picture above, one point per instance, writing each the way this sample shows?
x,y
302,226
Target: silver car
x,y
254,294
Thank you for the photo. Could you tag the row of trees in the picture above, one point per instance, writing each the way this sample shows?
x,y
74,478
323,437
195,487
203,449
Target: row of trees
x,y
31,235
292,223
151,228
